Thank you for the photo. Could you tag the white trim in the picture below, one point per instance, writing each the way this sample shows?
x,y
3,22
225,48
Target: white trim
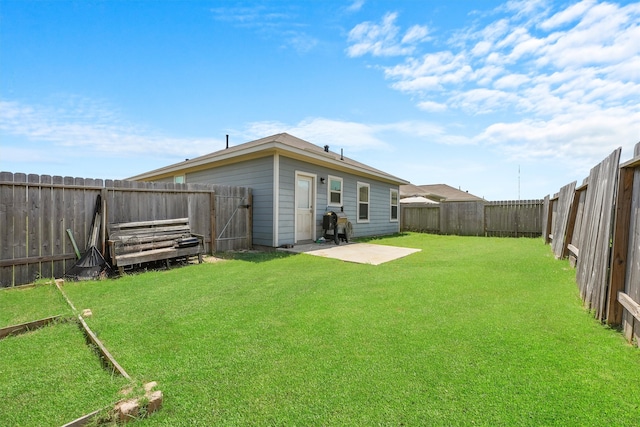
x,y
368,202
391,205
276,199
336,178
314,200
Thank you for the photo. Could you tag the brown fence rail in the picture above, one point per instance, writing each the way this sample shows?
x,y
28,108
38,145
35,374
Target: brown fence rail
x,y
597,225
510,218
40,214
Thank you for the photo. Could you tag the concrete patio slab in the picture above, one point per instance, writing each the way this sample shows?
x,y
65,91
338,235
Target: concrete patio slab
x,y
362,253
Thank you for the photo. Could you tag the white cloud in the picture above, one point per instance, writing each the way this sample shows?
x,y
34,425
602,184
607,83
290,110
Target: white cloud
x,y
555,81
358,137
355,6
336,133
568,137
383,39
433,107
417,33
430,73
567,15
83,124
511,81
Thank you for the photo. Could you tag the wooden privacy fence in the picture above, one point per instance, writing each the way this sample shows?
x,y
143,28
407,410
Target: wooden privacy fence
x,y
597,225
39,214
511,218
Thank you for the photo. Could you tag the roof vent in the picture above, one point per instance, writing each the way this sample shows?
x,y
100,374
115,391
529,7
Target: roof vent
x,y
227,141
326,148
342,154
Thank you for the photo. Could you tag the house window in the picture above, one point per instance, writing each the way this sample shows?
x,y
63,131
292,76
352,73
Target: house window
x,y
363,202
394,205
335,191
178,179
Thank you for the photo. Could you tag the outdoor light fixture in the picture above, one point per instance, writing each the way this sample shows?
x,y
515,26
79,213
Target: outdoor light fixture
x,y
321,180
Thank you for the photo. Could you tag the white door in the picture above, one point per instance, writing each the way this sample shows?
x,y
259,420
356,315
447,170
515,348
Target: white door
x,y
304,208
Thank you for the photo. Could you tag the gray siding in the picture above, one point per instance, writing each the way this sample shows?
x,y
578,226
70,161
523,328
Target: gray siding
x,y
379,206
256,174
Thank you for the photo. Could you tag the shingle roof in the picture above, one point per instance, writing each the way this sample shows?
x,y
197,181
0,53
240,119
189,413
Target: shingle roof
x,y
437,192
283,142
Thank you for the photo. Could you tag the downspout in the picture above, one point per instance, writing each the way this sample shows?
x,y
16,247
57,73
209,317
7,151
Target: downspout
x,y
276,199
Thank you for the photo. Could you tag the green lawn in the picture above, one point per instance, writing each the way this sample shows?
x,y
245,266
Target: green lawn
x,y
469,331
50,377
26,304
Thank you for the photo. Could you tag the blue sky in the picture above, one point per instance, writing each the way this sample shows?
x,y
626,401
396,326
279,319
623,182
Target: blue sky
x,y
504,99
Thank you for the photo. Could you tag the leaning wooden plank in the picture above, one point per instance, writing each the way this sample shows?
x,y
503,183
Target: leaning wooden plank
x,y
151,254
155,232
573,250
130,248
621,231
108,358
150,223
155,255
84,420
25,327
632,307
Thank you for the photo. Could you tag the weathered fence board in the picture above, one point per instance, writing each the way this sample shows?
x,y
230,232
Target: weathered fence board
x,y
509,218
632,282
547,219
36,212
420,218
6,226
513,218
561,220
605,238
576,217
462,218
625,264
231,218
593,262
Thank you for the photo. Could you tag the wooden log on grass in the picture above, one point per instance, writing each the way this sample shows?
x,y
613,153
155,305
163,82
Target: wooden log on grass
x,y
25,327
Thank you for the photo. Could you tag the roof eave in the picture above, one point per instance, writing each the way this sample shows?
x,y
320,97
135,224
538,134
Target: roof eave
x,y
269,147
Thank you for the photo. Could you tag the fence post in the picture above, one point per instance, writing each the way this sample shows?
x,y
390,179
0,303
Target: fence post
x,y
620,243
212,218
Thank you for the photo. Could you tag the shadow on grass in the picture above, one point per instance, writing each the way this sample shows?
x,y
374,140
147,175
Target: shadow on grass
x,y
255,256
376,238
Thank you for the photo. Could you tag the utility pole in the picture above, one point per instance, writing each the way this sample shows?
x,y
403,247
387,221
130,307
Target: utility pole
x,y
518,182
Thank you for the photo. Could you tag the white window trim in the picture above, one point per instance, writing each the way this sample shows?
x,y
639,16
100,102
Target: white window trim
x,y
358,186
329,202
176,177
391,205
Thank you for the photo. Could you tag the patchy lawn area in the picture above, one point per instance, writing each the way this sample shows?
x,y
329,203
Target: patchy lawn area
x,y
469,331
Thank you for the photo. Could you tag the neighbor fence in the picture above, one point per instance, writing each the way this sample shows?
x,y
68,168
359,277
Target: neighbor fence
x,y
597,226
511,218
41,217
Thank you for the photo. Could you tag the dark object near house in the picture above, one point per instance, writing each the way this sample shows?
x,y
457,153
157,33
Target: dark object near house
x,y
89,267
133,243
336,226
91,264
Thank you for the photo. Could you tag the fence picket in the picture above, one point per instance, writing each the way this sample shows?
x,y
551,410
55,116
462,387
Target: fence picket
x,y
36,211
508,218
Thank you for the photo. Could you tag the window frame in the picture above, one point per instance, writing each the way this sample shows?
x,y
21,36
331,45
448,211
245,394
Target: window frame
x,y
360,202
177,178
392,205
329,191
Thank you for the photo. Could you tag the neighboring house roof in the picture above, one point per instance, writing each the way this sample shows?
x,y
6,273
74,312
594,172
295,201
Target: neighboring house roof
x,y
282,143
418,200
437,192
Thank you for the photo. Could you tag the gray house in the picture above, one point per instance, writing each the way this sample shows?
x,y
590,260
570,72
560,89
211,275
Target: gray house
x,y
294,183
